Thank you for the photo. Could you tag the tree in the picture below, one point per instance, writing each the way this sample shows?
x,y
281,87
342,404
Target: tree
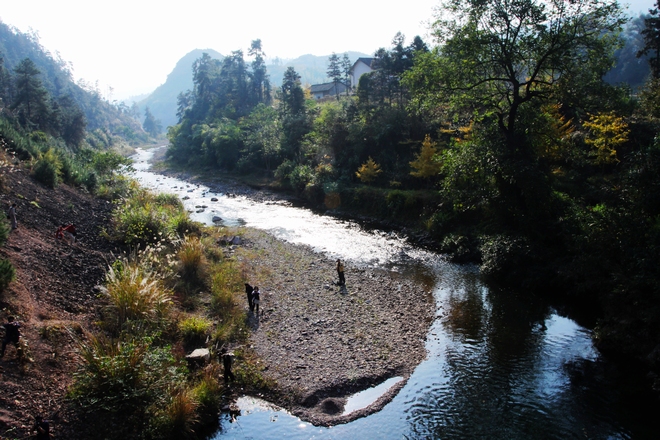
x,y
499,55
334,72
151,125
426,165
368,171
5,84
293,114
31,98
651,34
72,123
346,67
607,133
260,84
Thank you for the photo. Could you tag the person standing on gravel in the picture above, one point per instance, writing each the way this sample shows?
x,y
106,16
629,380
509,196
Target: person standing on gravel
x,y
256,299
340,272
12,334
11,215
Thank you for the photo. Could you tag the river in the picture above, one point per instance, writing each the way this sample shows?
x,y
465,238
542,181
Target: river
x,y
500,365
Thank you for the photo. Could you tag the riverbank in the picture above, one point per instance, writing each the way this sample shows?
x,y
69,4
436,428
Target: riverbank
x,y
319,342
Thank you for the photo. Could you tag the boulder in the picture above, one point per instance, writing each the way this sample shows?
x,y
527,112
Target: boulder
x,y
199,356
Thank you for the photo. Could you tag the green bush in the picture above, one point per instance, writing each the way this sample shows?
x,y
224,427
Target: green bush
x,y
128,383
460,248
4,231
7,274
284,170
194,328
504,256
47,170
91,181
300,177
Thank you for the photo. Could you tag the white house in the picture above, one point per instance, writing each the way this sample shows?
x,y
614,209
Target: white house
x,y
360,67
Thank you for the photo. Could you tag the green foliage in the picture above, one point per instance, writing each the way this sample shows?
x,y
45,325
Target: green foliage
x,y
145,218
47,170
226,281
503,257
4,231
459,247
195,329
17,141
151,125
7,274
128,381
207,392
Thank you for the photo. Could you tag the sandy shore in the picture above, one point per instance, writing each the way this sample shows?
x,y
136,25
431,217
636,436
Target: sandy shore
x,y
320,342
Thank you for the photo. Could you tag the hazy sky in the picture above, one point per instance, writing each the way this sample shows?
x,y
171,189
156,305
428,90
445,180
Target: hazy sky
x,y
132,46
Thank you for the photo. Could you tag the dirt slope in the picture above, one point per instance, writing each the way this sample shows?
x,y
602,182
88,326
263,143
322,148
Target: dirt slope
x,y
53,296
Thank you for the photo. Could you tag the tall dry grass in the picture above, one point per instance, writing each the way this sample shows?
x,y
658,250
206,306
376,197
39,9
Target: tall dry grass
x,y
135,294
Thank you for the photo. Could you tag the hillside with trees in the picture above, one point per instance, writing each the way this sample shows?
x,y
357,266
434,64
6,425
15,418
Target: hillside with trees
x,y
102,119
163,101
503,145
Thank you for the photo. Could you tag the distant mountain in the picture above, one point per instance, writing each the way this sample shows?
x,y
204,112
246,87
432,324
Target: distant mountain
x,y
56,77
163,101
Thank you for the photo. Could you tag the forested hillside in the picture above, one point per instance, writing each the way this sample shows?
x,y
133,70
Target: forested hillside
x,y
503,144
102,120
163,101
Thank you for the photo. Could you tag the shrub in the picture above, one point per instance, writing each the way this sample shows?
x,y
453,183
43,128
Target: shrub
x,y
192,262
183,225
135,294
459,247
127,380
283,172
181,415
300,177
47,169
207,392
194,328
7,274
171,200
4,231
504,256
91,181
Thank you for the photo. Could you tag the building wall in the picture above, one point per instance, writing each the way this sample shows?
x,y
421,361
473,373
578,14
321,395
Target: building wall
x,y
358,70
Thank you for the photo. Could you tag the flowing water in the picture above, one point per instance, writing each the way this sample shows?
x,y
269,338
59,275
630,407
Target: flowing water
x,y
499,365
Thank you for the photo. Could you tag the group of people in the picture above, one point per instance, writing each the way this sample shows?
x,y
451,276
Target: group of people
x,y
253,297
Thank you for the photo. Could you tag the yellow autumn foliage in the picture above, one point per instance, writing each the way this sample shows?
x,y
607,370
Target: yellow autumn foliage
x,y
368,171
607,132
426,164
